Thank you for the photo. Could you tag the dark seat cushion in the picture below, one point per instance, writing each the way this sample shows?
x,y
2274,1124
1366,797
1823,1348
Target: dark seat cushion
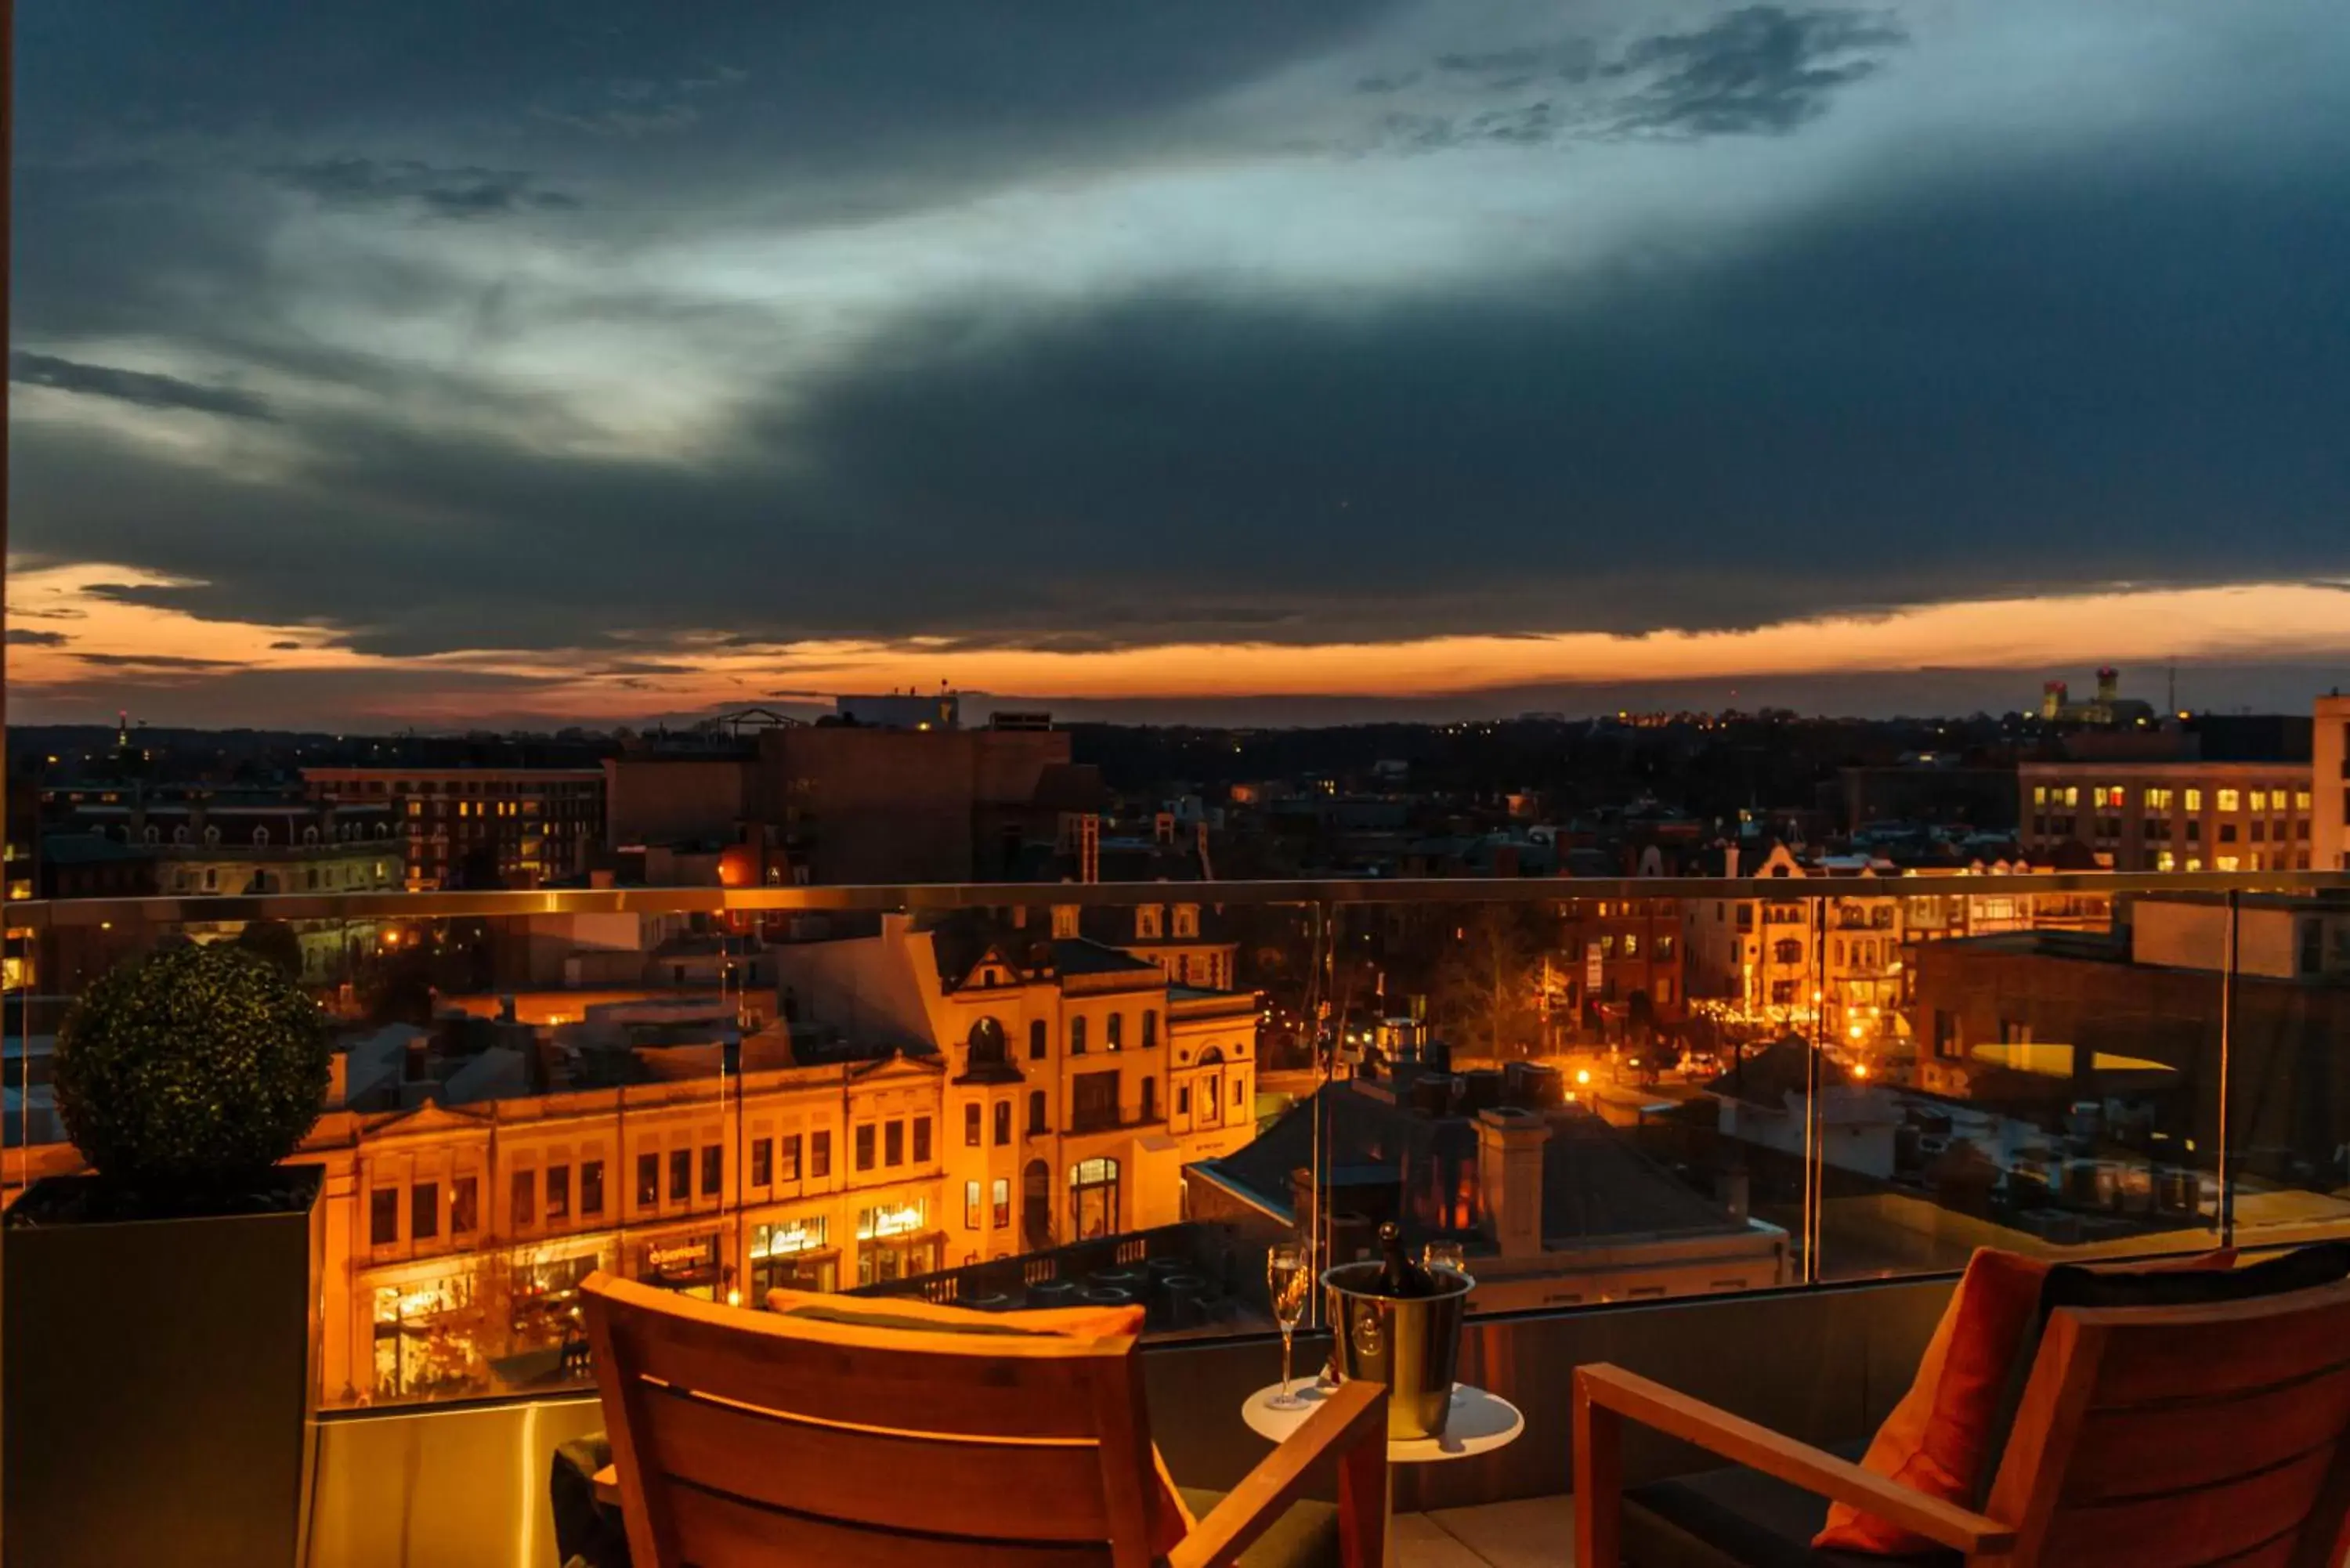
x,y
1305,1537
1739,1517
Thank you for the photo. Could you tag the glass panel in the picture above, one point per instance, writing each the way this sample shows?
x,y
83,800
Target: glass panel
x,y
1595,1098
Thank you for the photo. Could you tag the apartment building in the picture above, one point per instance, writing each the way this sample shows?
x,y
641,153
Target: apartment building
x,y
2330,781
2171,815
477,827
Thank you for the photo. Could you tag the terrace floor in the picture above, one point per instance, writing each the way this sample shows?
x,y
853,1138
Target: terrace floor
x,y
1522,1534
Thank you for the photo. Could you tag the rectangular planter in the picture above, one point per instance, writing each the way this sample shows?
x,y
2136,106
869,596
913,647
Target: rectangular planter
x,y
161,1382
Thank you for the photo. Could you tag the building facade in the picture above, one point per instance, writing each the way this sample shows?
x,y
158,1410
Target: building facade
x,y
497,827
2171,816
2330,781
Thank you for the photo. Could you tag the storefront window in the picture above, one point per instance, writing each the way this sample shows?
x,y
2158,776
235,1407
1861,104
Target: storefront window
x,y
427,1339
893,1244
544,1307
793,1255
686,1264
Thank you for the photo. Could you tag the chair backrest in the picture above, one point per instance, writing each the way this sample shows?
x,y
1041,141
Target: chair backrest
x,y
2182,1437
744,1438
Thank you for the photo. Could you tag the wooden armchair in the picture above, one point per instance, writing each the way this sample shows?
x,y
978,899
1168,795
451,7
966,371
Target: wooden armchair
x,y
2146,1437
747,1438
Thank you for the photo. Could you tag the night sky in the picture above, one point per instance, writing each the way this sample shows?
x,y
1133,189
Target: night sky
x,y
456,361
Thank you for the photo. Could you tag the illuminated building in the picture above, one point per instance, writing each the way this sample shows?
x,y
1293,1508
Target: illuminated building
x,y
2330,772
508,828
2169,816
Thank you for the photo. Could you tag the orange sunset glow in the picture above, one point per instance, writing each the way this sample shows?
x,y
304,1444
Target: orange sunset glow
x,y
2249,622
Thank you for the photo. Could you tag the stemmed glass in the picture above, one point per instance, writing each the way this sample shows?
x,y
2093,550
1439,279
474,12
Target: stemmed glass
x,y
1289,1275
1444,1255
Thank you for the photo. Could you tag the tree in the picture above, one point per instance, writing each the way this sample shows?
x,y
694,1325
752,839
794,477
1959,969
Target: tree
x,y
1485,985
274,941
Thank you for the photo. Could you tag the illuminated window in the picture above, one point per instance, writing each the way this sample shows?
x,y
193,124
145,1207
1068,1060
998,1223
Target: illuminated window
x,y
1000,1199
2194,863
2230,801
2071,795
2164,861
2259,800
465,1206
970,1205
2228,863
2040,795
2158,800
2301,800
2194,800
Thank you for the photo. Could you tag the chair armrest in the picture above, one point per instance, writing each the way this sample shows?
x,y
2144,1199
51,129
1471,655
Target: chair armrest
x,y
1606,1387
1353,1422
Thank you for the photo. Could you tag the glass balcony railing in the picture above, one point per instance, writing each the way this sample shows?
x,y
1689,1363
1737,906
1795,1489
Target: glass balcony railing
x,y
1032,1094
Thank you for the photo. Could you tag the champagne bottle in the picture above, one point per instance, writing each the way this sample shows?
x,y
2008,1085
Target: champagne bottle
x,y
1399,1275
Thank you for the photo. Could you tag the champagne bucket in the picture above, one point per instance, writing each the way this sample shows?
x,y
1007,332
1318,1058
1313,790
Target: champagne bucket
x,y
1411,1343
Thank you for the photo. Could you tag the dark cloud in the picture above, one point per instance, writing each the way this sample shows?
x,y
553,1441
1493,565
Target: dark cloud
x,y
1763,68
26,636
19,613
1764,71
140,387
155,661
443,193
1951,391
283,644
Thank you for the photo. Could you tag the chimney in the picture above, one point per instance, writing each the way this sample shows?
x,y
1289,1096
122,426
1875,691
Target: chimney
x,y
1509,1178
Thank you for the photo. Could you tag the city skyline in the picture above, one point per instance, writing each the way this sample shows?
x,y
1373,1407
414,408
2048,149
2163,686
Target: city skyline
x,y
436,367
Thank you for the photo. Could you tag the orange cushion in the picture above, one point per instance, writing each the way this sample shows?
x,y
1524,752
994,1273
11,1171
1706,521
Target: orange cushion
x,y
1938,1437
1170,1520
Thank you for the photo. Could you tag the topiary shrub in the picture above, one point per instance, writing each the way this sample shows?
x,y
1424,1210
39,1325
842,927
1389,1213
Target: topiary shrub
x,y
191,1070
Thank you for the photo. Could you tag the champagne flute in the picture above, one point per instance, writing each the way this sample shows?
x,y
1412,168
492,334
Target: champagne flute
x,y
1289,1275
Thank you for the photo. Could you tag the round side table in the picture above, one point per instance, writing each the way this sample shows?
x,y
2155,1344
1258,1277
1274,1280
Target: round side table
x,y
1478,1423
